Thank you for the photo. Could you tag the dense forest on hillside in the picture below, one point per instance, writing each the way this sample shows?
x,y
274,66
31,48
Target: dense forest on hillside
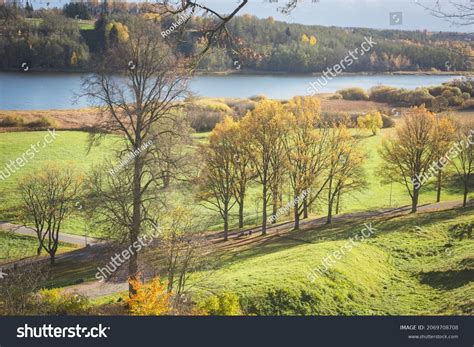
x,y
59,40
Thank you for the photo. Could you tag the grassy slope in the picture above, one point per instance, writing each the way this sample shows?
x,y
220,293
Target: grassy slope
x,y
394,272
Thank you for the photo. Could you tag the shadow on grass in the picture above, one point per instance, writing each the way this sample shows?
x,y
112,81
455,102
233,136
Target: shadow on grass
x,y
447,280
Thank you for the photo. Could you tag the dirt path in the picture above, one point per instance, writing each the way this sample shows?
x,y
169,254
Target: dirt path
x,y
97,289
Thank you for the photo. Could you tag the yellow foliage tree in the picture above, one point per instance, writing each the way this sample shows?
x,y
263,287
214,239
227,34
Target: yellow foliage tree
x,y
304,38
371,121
149,300
313,40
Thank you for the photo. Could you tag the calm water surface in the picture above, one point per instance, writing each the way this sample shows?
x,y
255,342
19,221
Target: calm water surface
x,y
42,91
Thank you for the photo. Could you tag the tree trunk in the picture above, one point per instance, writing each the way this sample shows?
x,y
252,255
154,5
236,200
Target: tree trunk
x,y
338,199
264,210
136,222
297,217
274,203
438,194
52,259
466,192
329,217
414,200
305,207
226,227
241,214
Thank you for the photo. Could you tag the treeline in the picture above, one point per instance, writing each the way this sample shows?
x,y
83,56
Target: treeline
x,y
276,46
55,39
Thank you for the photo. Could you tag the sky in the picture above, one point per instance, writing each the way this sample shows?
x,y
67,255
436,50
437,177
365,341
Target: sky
x,y
353,13
406,14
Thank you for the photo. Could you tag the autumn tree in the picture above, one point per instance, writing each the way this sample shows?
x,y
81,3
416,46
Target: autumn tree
x,y
444,133
464,152
345,172
49,197
217,182
154,82
371,121
243,172
306,149
409,154
265,128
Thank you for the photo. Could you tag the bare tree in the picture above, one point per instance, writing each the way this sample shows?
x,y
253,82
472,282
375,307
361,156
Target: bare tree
x,y
455,11
151,84
48,197
18,288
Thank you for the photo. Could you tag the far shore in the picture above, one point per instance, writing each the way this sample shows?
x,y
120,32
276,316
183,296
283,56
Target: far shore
x,y
246,72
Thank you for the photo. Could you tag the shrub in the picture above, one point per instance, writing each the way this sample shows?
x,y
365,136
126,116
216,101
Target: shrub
x,y
203,121
149,300
383,94
56,302
455,100
212,105
353,94
439,103
468,105
12,121
42,123
415,97
387,122
283,302
466,96
335,96
226,304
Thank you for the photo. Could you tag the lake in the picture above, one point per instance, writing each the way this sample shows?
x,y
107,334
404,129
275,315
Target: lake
x,y
42,91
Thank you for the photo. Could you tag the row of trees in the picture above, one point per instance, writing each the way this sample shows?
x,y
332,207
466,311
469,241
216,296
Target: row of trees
x,y
277,145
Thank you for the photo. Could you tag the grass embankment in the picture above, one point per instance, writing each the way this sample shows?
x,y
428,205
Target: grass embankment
x,y
14,247
395,272
411,265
